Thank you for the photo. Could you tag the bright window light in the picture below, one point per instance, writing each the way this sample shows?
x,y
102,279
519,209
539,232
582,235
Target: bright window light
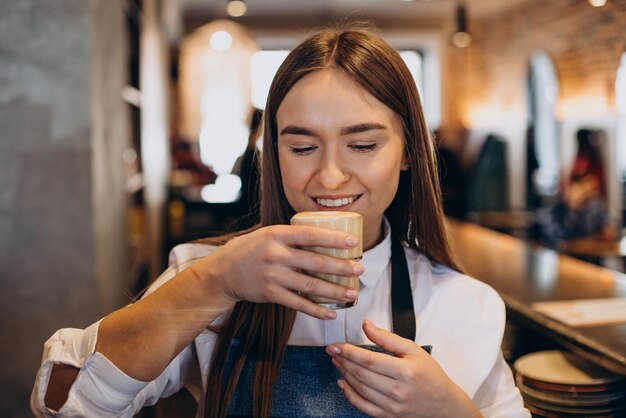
x,y
544,87
413,60
263,67
223,131
227,188
620,104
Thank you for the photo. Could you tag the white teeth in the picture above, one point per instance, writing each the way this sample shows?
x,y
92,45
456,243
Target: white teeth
x,y
333,203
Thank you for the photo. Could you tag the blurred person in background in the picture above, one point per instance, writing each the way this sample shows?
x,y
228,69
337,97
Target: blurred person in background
x,y
186,160
580,210
452,179
246,209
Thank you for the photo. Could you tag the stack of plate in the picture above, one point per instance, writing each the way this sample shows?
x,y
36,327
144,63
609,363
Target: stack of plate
x,y
561,384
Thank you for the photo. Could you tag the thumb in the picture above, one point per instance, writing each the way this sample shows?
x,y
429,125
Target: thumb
x,y
391,342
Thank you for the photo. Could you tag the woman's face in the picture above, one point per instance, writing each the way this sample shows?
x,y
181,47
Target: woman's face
x,y
339,148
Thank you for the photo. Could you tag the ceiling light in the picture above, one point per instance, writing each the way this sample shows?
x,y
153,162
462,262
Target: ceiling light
x,y
236,8
461,37
597,3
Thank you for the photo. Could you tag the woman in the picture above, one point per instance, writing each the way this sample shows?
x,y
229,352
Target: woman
x,y
580,210
343,130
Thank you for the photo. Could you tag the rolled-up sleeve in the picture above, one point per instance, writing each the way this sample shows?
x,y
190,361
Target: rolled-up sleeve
x,y
101,389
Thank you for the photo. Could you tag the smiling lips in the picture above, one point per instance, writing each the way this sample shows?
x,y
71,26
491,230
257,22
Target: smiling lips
x,y
335,203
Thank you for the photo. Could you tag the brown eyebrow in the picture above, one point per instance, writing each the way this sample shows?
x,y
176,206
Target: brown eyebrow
x,y
297,130
354,129
362,127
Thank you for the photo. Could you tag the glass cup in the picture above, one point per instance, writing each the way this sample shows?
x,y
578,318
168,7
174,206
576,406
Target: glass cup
x,y
349,222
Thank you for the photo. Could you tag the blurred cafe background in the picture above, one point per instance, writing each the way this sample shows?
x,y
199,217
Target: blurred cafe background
x,y
129,126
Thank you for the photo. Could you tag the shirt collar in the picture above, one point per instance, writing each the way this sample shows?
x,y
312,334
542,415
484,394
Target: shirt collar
x,y
376,259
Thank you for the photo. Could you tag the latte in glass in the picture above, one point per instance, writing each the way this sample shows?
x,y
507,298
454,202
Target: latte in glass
x,y
349,222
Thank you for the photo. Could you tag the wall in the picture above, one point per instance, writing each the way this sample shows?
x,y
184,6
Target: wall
x,y
62,222
110,136
490,77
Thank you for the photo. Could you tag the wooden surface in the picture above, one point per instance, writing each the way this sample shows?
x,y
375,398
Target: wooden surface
x,y
524,274
595,247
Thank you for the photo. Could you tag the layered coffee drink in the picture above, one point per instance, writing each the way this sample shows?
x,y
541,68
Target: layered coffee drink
x,y
349,222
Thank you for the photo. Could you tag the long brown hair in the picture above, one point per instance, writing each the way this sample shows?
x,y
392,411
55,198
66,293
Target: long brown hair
x,y
415,214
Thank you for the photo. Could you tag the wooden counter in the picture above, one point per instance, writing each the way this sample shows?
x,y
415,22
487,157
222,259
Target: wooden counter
x,y
524,274
595,247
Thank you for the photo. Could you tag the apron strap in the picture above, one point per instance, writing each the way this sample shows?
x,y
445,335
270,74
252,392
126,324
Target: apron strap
x,y
402,311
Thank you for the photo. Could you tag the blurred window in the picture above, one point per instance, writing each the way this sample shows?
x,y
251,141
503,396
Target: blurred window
x,y
263,67
264,64
414,61
620,100
543,89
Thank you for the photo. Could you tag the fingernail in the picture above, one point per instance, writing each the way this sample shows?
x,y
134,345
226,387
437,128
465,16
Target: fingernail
x,y
334,349
351,241
358,269
331,315
368,323
351,294
341,384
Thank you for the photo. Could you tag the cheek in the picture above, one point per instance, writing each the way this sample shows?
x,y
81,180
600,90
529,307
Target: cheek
x,y
292,176
384,171
383,178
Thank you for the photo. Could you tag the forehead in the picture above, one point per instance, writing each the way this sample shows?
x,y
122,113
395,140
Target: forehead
x,y
332,96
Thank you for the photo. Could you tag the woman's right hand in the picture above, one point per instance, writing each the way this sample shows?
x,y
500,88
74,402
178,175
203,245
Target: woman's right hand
x,y
142,338
266,266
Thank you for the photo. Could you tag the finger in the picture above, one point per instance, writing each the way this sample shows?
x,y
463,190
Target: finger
x,y
303,236
394,400
380,363
310,285
299,303
308,260
287,255
377,387
391,342
359,402
372,395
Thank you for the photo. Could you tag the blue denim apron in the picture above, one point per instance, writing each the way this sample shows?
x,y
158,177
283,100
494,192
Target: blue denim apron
x,y
307,380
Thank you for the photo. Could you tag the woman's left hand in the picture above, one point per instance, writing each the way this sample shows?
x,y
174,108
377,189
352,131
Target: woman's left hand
x,y
409,384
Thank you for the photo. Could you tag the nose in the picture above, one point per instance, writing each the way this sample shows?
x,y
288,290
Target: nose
x,y
333,172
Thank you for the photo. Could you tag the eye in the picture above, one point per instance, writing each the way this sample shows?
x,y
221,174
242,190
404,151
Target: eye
x,y
303,150
364,147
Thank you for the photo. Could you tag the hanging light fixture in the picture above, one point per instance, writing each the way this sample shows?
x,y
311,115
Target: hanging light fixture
x,y
236,8
461,38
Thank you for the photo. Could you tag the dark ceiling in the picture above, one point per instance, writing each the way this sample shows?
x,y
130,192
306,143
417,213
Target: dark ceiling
x,y
307,13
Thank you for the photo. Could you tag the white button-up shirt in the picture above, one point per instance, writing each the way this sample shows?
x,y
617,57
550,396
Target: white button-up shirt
x,y
463,319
